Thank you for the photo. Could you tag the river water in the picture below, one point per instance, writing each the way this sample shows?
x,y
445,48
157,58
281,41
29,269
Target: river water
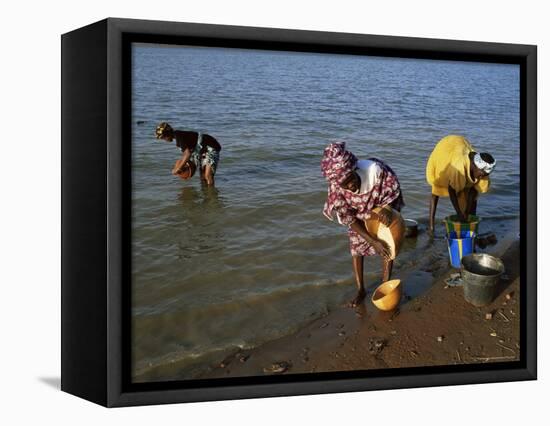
x,y
253,259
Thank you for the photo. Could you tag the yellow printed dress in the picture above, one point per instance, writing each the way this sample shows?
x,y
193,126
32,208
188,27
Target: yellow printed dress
x,y
449,165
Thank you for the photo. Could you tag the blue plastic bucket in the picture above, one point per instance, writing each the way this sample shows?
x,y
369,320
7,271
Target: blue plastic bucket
x,y
460,245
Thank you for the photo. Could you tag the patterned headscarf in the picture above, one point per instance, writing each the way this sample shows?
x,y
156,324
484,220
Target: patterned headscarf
x,y
483,165
162,129
337,163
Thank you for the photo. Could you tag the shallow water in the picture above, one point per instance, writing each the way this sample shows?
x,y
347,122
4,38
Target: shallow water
x,y
254,258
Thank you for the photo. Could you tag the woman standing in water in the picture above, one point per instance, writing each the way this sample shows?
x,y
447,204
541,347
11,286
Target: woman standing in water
x,y
360,190
456,171
199,150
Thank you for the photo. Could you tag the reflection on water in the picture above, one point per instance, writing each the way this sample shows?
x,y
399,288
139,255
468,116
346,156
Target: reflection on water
x,y
202,210
253,258
208,196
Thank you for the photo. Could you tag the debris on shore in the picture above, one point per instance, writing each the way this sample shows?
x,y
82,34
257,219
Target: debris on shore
x,y
278,367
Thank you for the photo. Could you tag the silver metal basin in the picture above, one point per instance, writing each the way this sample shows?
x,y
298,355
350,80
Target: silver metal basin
x,y
482,264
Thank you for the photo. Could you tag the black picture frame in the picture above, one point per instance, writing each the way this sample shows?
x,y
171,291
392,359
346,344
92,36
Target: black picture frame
x,y
96,207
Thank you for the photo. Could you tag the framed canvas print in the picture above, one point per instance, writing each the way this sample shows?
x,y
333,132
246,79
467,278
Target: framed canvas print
x,y
251,212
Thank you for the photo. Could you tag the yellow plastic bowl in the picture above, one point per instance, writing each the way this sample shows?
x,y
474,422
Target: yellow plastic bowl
x,y
388,295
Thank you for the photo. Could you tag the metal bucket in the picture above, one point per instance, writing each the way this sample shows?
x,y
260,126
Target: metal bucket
x,y
411,228
480,275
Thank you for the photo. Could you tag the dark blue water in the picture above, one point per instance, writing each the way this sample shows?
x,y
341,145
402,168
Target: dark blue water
x,y
254,258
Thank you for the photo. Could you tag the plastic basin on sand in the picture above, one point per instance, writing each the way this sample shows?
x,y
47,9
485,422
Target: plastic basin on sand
x,y
387,295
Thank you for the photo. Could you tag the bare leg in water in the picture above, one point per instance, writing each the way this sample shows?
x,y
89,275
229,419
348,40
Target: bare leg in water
x,y
358,272
387,266
433,208
208,175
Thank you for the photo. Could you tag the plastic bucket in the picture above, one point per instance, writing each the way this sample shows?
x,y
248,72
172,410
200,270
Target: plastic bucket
x,y
460,244
452,224
480,275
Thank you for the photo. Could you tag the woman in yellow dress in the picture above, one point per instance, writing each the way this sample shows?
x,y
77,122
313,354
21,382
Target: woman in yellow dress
x,y
457,171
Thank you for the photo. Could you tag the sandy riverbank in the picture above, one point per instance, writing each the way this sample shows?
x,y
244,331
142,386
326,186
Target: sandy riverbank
x,y
436,328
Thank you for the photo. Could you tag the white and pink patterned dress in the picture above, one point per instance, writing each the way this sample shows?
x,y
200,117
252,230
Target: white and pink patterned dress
x,y
379,187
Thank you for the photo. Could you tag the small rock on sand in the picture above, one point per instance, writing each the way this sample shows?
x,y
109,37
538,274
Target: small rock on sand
x,y
243,358
376,346
489,316
440,338
278,367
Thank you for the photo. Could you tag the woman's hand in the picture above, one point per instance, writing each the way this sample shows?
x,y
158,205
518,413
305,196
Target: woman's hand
x,y
385,216
179,167
462,217
381,248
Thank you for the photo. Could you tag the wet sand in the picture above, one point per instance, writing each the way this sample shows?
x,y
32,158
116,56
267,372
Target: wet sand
x,y
437,327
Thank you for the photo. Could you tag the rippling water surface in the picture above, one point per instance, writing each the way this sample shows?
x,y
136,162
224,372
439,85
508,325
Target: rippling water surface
x,y
254,258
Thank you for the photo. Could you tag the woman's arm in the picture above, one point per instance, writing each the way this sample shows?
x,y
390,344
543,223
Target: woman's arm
x,y
381,248
184,159
456,205
472,197
385,215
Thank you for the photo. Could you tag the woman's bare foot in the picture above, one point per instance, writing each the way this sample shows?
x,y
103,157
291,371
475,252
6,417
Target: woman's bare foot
x,y
358,299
